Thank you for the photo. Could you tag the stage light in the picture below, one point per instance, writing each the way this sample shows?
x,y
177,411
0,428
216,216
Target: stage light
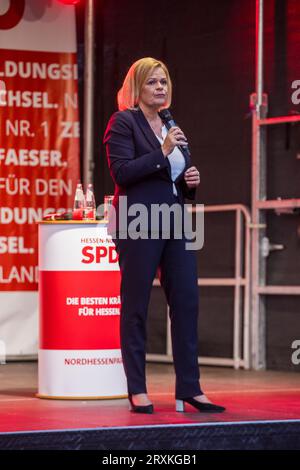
x,y
69,2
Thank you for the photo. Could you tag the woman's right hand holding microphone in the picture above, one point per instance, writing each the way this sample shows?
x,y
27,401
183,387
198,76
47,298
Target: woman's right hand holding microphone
x,y
174,137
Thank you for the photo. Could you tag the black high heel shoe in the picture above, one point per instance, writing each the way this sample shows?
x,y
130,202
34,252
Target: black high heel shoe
x,y
148,409
206,407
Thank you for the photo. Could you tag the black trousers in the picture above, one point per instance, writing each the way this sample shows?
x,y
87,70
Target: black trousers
x,y
139,261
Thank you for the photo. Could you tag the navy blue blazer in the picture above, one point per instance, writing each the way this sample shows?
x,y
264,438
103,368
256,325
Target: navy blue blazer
x,y
137,164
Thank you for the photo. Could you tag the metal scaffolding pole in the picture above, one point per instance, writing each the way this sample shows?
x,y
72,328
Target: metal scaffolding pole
x,y
259,51
261,204
258,265
88,124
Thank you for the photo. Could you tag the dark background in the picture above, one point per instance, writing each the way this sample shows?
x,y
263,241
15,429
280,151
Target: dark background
x,y
209,48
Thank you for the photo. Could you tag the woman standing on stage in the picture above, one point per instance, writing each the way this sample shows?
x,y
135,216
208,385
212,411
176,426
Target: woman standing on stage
x,y
147,167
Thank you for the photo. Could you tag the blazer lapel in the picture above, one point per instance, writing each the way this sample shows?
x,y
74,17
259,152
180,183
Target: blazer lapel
x,y
154,142
148,133
146,128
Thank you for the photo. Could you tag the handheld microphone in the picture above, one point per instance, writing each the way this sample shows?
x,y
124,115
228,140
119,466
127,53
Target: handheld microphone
x,y
169,122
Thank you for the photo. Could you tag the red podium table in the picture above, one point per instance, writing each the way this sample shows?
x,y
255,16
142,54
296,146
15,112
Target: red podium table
x,y
79,304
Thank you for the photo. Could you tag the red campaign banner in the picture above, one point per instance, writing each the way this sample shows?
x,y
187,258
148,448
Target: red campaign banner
x,y
39,154
79,310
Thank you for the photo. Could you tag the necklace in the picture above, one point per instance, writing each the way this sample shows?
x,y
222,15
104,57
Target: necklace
x,y
157,128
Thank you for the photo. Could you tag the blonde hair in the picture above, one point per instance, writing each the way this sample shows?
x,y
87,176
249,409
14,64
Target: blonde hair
x,y
129,93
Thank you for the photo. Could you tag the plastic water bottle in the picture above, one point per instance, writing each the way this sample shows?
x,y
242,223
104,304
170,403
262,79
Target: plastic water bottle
x,y
90,205
79,203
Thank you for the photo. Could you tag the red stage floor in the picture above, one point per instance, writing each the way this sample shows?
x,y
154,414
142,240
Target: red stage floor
x,y
247,395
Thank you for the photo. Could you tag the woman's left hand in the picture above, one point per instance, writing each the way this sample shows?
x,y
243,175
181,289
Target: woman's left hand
x,y
192,177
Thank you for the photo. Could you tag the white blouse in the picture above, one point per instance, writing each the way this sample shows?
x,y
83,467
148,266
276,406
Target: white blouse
x,y
176,159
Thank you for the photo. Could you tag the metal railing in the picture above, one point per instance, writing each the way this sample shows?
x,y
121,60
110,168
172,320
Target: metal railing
x,y
240,281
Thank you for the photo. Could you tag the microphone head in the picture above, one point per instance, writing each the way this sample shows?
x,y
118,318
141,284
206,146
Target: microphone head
x,y
165,115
